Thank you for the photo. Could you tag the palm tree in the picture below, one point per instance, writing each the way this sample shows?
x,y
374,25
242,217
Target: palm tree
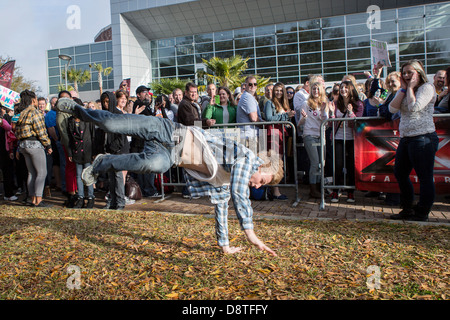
x,y
77,77
229,72
101,72
62,87
225,71
167,85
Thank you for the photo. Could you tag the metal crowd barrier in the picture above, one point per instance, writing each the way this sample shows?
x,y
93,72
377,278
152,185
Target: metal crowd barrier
x,y
331,122
325,183
176,178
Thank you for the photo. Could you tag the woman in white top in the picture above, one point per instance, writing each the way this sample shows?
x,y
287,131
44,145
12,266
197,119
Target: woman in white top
x,y
348,106
418,140
313,112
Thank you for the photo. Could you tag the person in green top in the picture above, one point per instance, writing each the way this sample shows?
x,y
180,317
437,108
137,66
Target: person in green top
x,y
223,112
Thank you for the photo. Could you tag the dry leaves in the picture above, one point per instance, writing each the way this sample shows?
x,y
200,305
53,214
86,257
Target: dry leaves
x,y
136,255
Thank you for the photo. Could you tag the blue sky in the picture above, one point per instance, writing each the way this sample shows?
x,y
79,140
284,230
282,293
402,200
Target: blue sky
x,y
33,27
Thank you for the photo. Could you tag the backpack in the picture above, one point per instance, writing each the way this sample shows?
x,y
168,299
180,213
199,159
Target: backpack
x,y
167,189
262,193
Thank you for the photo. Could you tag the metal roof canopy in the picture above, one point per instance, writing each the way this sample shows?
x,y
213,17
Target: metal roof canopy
x,y
204,16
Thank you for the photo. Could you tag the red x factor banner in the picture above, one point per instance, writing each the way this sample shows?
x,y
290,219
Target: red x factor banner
x,y
376,143
6,73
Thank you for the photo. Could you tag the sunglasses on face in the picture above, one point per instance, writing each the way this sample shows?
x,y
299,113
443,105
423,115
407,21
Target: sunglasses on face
x,y
252,84
290,92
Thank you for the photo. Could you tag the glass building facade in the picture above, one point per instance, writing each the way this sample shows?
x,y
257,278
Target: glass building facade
x,y
82,56
332,46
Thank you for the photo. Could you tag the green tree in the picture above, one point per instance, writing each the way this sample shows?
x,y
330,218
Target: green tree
x,y
229,72
100,73
62,87
77,77
167,85
226,72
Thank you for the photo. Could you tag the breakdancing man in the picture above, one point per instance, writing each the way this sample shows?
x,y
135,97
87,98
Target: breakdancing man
x,y
211,171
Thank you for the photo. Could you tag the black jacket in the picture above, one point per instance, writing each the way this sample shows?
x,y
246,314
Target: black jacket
x,y
81,138
137,144
115,143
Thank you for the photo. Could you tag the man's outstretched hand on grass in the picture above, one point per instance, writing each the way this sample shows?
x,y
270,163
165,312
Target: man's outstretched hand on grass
x,y
253,239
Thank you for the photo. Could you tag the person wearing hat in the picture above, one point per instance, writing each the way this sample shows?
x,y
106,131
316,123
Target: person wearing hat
x,y
144,102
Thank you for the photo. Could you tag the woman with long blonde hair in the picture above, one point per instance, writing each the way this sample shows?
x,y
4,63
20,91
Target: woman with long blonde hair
x,y
418,141
277,109
313,112
348,106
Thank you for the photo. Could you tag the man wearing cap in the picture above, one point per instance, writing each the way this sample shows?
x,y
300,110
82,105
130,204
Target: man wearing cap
x,y
143,105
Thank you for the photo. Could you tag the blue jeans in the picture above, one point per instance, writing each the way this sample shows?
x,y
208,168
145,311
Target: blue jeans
x,y
80,186
416,153
312,146
157,156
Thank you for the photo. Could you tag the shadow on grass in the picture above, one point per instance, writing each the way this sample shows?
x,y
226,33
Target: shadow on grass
x,y
427,236
96,232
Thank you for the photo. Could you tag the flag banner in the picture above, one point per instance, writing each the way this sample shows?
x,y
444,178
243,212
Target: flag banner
x,y
8,97
6,73
376,143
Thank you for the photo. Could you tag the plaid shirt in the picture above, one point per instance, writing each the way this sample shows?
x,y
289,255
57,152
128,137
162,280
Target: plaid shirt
x,y
241,164
31,124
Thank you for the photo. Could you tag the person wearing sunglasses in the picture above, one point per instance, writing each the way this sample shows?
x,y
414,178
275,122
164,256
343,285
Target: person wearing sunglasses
x,y
248,109
290,92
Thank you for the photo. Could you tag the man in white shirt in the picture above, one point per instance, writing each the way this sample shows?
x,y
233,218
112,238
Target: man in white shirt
x,y
248,109
300,97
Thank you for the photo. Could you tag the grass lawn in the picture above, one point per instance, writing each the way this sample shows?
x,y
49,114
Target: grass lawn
x,y
148,255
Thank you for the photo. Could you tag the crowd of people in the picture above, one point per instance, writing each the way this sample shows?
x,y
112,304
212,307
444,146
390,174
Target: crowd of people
x,y
50,149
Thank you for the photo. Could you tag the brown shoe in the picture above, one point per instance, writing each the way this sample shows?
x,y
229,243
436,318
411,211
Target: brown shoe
x,y
47,192
314,191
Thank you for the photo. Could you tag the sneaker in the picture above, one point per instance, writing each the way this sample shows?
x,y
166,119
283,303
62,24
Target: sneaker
x,y
87,175
334,197
19,192
79,203
90,203
129,201
281,197
156,195
350,197
13,198
43,204
66,105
